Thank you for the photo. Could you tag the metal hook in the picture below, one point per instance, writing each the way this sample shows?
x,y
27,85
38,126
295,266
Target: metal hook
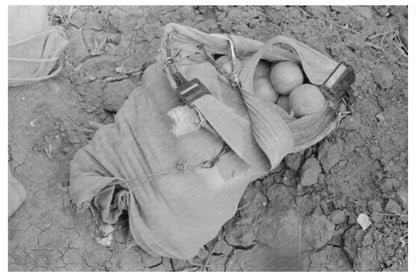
x,y
233,76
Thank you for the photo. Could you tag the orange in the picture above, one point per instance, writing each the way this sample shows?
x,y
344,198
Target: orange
x,y
264,89
283,102
306,99
285,76
262,70
226,63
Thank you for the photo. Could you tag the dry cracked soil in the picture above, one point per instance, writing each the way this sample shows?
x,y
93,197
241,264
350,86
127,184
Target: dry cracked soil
x,y
302,216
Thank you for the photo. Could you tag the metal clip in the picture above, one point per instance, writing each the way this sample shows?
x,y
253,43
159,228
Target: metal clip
x,y
170,54
233,76
338,84
187,91
211,163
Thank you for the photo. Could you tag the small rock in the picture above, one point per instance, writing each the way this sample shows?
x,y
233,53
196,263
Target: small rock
x,y
114,38
374,206
352,238
389,241
294,161
380,117
317,230
383,76
105,229
78,18
309,172
363,221
73,138
338,217
382,10
91,78
393,207
401,197
351,122
324,207
106,241
115,94
388,185
289,178
329,154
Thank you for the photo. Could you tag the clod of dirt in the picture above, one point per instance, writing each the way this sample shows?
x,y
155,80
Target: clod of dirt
x,y
382,10
351,122
366,12
106,241
77,48
338,217
393,207
307,203
294,161
401,197
78,18
317,230
374,206
404,35
330,258
383,76
329,154
289,178
352,241
309,172
363,221
366,259
320,11
380,117
279,230
115,94
388,185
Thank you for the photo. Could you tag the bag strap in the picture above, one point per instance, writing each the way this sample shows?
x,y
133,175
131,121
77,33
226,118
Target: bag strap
x,y
267,137
18,81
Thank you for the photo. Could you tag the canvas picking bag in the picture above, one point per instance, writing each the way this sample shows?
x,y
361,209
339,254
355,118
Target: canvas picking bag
x,y
180,188
35,47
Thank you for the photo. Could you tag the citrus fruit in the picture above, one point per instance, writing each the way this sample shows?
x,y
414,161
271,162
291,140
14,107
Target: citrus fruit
x,y
306,99
263,89
262,70
283,102
285,76
226,63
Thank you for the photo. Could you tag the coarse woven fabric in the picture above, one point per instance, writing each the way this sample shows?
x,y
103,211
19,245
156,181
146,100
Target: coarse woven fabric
x,y
34,46
136,164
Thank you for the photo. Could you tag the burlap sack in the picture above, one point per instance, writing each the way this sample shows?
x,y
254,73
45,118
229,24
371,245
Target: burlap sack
x,y
175,202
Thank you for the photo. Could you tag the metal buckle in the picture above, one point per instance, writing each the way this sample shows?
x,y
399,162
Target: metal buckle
x,y
187,91
191,90
337,87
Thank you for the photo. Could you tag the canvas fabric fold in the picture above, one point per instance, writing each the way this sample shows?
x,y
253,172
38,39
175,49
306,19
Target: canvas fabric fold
x,y
34,47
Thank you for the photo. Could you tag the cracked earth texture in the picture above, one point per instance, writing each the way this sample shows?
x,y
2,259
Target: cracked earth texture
x,y
284,222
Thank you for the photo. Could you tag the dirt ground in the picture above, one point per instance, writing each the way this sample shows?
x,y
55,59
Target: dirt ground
x,y
361,167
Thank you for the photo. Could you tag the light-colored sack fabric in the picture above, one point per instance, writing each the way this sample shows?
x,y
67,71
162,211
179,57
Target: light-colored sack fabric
x,y
175,203
34,46
16,194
